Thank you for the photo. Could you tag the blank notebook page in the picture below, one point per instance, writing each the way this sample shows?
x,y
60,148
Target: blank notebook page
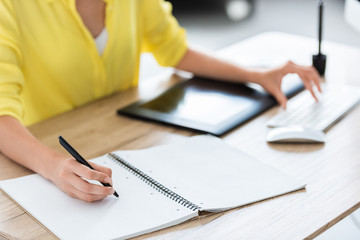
x,y
210,173
138,209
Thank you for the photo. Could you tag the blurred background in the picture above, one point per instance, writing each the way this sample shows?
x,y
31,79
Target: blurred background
x,y
218,23
215,24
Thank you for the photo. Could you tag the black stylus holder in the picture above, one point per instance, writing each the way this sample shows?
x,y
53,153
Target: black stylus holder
x,y
319,62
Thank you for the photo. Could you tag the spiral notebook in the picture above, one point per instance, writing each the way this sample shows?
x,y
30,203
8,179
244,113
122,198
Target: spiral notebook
x,y
159,187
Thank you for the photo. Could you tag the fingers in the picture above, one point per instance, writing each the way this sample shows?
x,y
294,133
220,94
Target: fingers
x,y
70,179
90,174
308,74
103,169
309,87
280,98
316,78
271,82
89,188
88,197
311,76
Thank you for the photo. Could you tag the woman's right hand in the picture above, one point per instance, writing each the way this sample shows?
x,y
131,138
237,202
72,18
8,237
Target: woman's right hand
x,y
69,175
17,143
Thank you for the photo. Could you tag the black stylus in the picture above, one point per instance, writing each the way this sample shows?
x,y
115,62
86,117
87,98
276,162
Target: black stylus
x,y
79,158
321,6
319,60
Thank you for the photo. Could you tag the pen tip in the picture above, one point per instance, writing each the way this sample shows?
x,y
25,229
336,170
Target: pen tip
x,y
116,195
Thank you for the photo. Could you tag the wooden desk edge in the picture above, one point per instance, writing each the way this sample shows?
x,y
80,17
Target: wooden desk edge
x,y
334,221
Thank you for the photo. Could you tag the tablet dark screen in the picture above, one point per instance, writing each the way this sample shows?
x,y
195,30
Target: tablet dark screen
x,y
198,104
207,105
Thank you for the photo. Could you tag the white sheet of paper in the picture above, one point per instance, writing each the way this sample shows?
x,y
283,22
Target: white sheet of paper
x,y
210,173
139,208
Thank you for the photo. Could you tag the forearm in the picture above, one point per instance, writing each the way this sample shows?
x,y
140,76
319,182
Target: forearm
x,y
20,145
209,66
205,65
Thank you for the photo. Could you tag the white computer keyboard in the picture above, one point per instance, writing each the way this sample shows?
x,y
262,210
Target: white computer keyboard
x,y
304,111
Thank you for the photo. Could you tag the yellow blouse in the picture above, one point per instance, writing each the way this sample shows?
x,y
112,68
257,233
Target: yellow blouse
x,y
49,62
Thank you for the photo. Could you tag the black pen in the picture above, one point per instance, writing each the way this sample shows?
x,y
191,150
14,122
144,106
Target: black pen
x,y
79,158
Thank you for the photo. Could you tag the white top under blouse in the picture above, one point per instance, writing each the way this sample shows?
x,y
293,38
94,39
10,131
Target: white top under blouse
x,y
101,41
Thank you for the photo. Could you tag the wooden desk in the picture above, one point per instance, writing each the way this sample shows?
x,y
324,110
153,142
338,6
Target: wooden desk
x,y
331,171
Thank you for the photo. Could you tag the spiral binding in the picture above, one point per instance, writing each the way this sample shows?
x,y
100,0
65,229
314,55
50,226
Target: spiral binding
x,y
152,183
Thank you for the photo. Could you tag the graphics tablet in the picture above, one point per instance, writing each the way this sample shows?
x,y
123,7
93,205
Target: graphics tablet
x,y
209,106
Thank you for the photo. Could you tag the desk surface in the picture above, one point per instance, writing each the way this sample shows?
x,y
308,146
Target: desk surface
x,y
331,171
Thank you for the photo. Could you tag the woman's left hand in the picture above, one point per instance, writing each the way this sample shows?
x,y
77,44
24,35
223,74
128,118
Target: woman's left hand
x,y
271,80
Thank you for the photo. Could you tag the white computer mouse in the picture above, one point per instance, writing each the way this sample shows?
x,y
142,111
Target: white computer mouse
x,y
295,135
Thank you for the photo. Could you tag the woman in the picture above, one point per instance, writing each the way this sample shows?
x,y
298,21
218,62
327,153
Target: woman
x,y
51,61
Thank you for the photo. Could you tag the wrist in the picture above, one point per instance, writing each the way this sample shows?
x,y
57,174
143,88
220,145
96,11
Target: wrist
x,y
256,77
51,162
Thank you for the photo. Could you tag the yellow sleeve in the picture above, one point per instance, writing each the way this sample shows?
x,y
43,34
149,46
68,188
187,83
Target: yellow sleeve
x,y
11,76
164,38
